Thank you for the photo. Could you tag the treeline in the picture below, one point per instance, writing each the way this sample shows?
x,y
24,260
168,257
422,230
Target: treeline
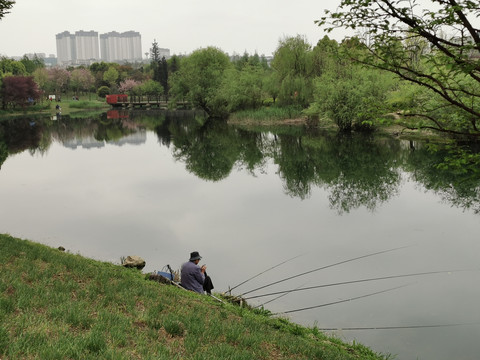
x,y
325,82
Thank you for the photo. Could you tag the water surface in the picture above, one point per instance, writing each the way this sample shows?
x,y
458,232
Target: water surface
x,y
160,185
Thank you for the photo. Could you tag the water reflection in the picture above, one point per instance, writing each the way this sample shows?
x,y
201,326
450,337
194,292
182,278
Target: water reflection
x,y
271,194
356,170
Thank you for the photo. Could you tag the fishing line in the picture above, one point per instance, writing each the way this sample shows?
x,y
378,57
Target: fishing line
x,y
324,267
263,272
398,327
285,292
341,301
275,298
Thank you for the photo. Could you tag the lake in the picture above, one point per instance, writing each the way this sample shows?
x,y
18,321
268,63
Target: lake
x,y
290,199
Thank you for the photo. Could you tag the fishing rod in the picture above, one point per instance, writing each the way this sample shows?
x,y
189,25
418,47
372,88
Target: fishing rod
x,y
341,301
263,272
275,298
285,292
397,327
324,267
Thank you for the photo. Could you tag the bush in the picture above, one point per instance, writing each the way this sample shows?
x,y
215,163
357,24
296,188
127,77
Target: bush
x,y
103,91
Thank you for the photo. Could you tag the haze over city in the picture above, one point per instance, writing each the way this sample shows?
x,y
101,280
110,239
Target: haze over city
x,y
182,26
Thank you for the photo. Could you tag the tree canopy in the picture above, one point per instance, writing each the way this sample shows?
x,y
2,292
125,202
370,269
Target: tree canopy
x,y
5,6
433,43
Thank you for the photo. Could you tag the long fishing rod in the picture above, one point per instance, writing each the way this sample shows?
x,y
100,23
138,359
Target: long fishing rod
x,y
276,298
324,267
285,292
397,327
341,301
263,272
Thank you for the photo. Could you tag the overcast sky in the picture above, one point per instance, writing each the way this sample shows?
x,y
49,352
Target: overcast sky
x,y
179,25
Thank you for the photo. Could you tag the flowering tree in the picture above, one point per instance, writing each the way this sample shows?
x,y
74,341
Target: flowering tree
x,y
128,85
81,80
58,79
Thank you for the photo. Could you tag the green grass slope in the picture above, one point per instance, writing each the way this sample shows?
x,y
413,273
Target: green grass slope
x,y
56,305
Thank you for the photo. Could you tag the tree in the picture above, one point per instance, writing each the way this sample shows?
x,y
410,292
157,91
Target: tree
x,y
155,60
11,67
81,80
199,80
163,74
5,5
127,86
41,78
103,91
58,79
32,64
243,89
173,64
110,76
150,87
18,91
292,62
395,32
354,98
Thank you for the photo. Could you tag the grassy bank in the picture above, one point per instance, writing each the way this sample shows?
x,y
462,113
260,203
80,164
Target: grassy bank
x,y
268,115
56,305
68,106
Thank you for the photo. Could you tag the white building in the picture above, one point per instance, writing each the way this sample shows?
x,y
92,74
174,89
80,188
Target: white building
x,y
66,48
77,49
86,47
121,47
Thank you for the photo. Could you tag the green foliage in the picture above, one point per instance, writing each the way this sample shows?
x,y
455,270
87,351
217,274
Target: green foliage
x,y
352,98
293,65
111,76
11,67
103,91
32,64
445,63
62,312
199,80
242,89
150,87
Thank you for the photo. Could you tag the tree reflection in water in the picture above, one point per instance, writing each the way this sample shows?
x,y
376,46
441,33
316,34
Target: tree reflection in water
x,y
356,170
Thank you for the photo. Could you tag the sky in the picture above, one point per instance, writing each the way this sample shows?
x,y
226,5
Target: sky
x,y
181,25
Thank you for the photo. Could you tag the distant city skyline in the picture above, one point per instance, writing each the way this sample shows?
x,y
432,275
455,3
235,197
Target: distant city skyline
x,y
86,47
181,26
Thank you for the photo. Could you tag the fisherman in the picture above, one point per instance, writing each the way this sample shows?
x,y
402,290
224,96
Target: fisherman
x,y
193,276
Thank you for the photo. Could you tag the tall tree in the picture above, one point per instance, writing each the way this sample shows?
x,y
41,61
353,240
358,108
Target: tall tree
x,y
155,60
292,63
449,67
32,64
5,6
199,80
163,74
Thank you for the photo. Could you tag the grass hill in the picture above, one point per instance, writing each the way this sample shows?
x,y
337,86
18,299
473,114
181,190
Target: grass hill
x,y
57,305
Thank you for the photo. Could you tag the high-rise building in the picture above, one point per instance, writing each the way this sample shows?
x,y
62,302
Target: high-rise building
x,y
121,47
86,45
76,49
66,48
82,48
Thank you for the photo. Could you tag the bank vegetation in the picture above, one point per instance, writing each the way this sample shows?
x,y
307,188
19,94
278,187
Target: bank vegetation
x,y
57,305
